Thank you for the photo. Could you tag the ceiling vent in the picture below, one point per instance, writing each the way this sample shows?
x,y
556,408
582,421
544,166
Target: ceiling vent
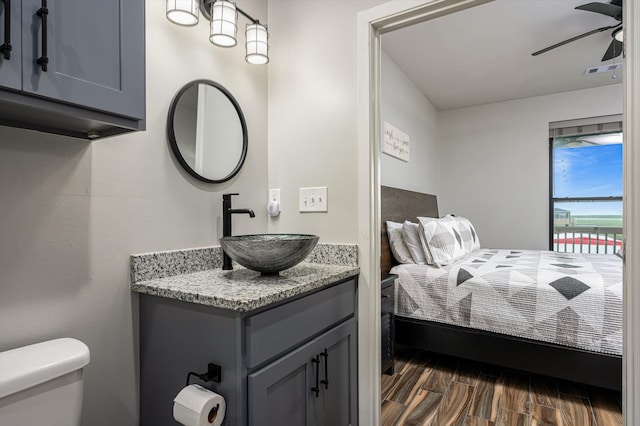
x,y
603,68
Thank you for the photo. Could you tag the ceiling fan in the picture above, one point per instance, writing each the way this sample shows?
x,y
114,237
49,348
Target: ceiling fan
x,y
614,10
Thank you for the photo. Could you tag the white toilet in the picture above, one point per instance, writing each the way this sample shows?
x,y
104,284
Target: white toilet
x,y
42,383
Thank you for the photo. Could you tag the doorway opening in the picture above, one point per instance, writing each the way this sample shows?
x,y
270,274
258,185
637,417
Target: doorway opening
x,y
371,25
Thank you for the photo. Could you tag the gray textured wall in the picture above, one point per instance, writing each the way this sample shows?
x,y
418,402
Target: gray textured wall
x,y
71,213
405,107
494,162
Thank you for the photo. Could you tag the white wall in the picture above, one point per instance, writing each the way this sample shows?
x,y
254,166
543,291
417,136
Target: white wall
x,y
71,213
494,162
312,112
405,107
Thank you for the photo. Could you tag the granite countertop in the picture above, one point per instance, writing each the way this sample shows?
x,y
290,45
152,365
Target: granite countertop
x,y
244,290
191,276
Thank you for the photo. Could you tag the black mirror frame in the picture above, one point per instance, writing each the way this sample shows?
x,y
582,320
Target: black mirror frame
x,y
172,135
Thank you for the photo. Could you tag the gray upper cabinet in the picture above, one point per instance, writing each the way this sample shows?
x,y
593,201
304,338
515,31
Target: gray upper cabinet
x,y
80,66
11,55
89,63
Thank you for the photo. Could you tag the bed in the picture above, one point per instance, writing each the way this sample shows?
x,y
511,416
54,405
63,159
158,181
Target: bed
x,y
528,343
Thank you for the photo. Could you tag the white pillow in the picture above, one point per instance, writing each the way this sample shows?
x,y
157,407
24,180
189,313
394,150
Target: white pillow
x,y
396,242
442,239
411,236
470,238
423,242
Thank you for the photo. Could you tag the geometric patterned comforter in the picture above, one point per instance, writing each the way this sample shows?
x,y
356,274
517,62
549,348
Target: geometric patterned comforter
x,y
564,298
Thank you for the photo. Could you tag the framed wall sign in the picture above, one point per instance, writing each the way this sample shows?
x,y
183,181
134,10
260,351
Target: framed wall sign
x,y
395,142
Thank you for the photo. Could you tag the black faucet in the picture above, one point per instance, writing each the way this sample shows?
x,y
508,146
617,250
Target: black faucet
x,y
227,211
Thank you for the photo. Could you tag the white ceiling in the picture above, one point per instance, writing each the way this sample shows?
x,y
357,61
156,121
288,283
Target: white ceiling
x,y
483,54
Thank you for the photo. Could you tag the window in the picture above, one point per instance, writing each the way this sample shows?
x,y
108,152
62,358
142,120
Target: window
x,y
586,190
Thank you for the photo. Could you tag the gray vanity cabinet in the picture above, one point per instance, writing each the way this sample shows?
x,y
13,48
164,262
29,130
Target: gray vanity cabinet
x,y
273,359
313,385
77,69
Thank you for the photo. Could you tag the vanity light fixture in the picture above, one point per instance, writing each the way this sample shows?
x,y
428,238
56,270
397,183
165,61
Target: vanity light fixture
x,y
223,15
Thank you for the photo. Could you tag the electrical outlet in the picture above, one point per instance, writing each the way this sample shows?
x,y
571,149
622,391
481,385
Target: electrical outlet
x,y
313,199
274,195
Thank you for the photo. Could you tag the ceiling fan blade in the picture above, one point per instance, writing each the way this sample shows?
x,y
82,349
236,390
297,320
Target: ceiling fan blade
x,y
572,39
614,49
607,9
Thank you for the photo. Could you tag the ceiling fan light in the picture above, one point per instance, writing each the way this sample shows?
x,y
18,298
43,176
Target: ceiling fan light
x,y
618,35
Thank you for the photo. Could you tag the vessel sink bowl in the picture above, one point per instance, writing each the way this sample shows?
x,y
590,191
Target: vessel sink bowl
x,y
269,253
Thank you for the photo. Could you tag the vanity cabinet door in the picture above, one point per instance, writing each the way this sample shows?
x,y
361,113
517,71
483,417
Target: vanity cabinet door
x,y
292,389
10,59
279,394
336,403
95,53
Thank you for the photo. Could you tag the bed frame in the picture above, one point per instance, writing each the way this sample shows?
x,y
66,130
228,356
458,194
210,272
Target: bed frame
x,y
536,357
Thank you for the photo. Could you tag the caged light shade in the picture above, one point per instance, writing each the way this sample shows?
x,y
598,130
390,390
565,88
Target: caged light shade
x,y
224,28
183,12
257,44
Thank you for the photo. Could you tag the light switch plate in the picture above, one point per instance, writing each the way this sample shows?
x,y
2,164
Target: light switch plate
x,y
313,199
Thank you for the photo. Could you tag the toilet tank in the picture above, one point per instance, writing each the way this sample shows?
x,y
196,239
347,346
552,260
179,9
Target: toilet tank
x,y
42,383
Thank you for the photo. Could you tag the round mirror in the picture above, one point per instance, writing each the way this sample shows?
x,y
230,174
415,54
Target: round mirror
x,y
207,131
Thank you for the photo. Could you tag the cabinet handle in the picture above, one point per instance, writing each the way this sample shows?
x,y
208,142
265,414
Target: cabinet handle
x,y
325,355
387,296
316,388
5,48
42,13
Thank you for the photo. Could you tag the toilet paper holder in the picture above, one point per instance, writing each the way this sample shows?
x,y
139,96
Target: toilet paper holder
x,y
213,374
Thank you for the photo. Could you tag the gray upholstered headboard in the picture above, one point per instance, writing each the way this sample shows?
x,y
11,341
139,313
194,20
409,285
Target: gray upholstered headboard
x,y
399,205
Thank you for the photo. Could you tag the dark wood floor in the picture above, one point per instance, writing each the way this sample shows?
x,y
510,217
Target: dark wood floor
x,y
427,389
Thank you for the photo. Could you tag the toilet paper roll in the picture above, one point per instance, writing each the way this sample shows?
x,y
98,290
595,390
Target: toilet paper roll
x,y
197,406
